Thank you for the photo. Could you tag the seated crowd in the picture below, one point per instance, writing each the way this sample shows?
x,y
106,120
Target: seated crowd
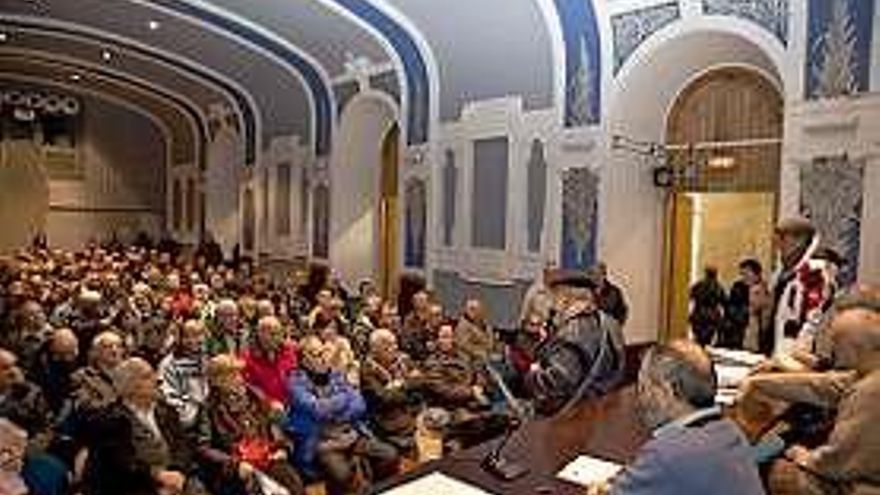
x,y
133,371
129,370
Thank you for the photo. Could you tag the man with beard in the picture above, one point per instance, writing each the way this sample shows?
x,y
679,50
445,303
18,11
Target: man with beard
x,y
585,357
693,449
55,366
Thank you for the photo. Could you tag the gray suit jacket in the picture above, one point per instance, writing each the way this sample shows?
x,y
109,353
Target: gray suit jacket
x,y
713,459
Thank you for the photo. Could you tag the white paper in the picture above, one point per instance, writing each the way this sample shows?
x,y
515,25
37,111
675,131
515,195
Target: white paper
x,y
731,376
586,470
436,484
736,356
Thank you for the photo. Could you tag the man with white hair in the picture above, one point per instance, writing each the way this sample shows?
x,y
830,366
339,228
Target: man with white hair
x,y
138,445
389,381
269,361
13,445
227,335
93,385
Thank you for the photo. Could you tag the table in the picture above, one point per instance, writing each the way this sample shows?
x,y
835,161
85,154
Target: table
x,y
607,427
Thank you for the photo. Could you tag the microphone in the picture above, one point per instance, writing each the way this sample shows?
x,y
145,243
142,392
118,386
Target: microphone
x,y
494,462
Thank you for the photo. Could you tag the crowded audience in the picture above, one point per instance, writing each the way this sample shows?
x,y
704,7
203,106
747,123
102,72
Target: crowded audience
x,y
133,370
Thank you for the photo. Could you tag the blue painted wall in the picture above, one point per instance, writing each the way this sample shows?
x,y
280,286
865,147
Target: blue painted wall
x,y
582,53
856,25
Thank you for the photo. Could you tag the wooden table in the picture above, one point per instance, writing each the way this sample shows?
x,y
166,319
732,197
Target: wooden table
x,y
607,427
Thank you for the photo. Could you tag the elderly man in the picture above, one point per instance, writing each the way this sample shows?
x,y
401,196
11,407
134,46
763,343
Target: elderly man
x,y
801,288
227,335
451,380
586,355
847,462
56,364
92,386
269,361
182,373
693,449
326,422
390,383
138,446
474,337
21,401
365,324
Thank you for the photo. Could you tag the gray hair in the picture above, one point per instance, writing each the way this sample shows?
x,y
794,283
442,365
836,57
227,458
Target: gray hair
x,y
687,368
127,372
381,336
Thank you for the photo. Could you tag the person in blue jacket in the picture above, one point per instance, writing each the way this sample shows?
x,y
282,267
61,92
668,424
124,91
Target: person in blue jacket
x,y
326,421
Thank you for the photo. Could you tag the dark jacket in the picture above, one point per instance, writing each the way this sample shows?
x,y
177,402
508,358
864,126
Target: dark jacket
x,y
450,379
586,357
612,302
123,453
391,396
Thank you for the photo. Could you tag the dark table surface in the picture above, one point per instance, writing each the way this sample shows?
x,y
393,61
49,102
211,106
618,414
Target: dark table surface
x,y
607,427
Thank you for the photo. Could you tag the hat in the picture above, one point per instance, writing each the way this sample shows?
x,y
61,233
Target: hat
x,y
796,225
573,278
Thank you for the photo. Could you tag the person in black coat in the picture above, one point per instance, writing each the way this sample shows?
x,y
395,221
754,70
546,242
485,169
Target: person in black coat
x,y
137,445
585,357
609,297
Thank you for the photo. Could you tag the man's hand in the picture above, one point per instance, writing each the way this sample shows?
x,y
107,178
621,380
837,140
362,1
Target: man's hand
x,y
599,488
245,470
799,455
171,482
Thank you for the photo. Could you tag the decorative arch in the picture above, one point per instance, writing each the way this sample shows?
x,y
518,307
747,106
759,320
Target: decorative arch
x,y
411,58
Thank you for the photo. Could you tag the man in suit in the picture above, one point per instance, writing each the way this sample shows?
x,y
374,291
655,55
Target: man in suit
x,y
693,449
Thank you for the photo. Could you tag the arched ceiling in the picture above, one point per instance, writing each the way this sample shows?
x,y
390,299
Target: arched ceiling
x,y
275,58
19,69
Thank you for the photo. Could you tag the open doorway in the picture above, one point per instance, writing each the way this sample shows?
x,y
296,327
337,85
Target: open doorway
x,y
723,140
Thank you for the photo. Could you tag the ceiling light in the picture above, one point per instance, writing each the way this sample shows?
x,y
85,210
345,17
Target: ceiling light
x,y
722,162
75,77
106,55
4,37
153,25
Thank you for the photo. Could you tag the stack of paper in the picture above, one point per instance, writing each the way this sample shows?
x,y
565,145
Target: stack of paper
x,y
436,484
586,470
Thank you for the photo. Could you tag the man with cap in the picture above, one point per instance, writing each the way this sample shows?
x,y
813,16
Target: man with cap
x,y
585,357
801,288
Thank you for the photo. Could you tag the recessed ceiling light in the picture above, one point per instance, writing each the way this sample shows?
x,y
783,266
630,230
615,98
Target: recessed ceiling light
x,y
3,37
153,25
75,77
106,55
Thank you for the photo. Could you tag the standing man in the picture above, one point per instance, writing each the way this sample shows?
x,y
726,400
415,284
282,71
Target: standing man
x,y
707,307
609,297
801,288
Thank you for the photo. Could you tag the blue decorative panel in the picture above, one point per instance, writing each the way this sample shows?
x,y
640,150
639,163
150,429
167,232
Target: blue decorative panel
x,y
838,58
387,82
583,63
416,200
489,203
450,193
321,222
418,97
344,93
831,196
537,195
580,195
632,28
772,15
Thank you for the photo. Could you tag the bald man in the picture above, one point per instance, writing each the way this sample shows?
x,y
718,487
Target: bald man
x,y
849,461
693,449
55,366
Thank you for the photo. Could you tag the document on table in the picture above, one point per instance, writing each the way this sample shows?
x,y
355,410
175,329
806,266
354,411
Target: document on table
x,y
586,470
436,484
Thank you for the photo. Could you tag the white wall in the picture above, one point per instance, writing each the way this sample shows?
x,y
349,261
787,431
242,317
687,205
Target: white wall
x,y
124,156
355,172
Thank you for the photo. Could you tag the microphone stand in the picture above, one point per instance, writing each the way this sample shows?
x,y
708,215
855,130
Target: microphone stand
x,y
494,462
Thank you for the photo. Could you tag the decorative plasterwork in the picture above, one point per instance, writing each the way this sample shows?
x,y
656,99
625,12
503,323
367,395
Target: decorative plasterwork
x,y
631,29
772,15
